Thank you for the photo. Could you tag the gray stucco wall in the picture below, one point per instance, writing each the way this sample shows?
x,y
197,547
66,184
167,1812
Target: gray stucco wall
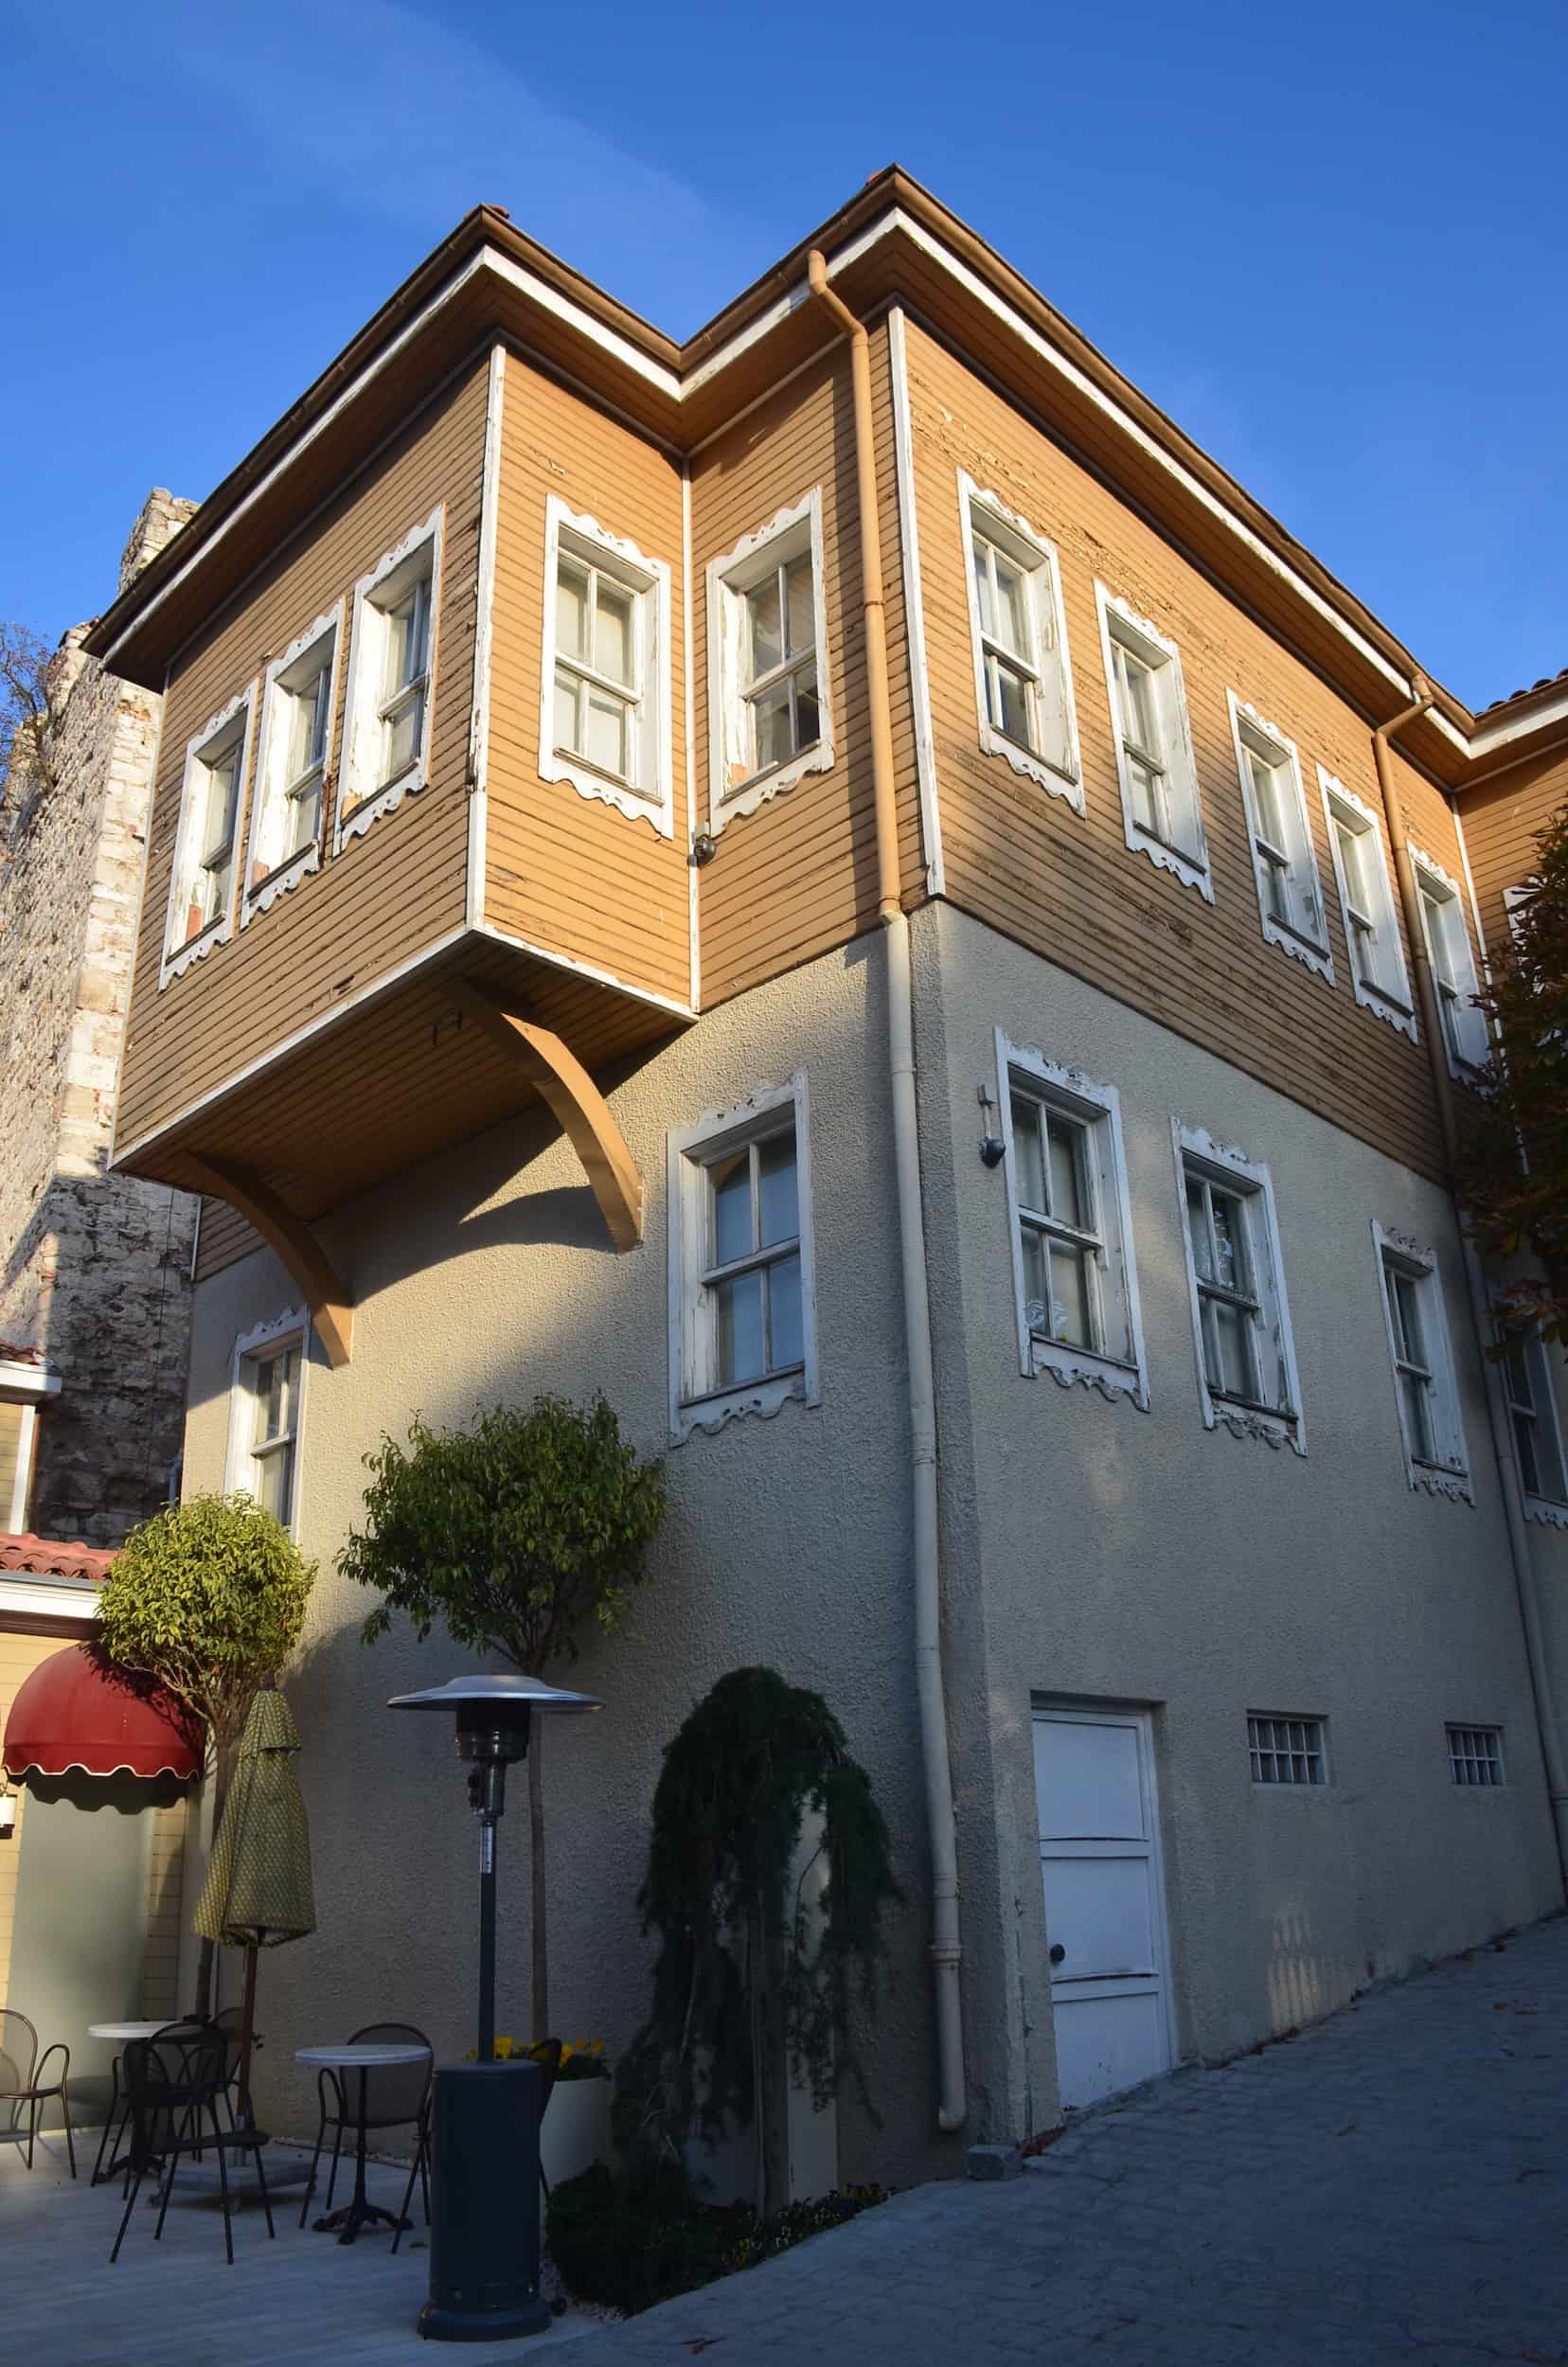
x,y
1137,1557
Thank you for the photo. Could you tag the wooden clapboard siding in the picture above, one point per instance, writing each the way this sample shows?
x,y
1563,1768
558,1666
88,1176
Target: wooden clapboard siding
x,y
19,1656
392,891
799,875
1503,818
1069,886
570,874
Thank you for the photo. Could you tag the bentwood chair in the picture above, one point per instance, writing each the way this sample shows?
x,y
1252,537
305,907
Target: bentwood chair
x,y
396,2096
177,2084
23,2084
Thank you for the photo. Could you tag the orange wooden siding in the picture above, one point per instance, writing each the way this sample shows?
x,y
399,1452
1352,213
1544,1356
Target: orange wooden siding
x,y
572,874
391,891
1503,818
1069,886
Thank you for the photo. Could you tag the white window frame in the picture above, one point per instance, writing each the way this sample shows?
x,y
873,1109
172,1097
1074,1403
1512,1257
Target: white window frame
x,y
694,1405
1250,1183
729,578
649,796
26,1386
271,787
1045,661
1551,1511
215,737
265,1339
1448,1474
1462,1732
1122,626
1468,1041
1098,1109
1396,1007
1305,940
1516,900
360,799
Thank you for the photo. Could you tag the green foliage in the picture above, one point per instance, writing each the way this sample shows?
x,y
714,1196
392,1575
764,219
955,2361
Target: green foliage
x,y
207,1598
628,2248
510,1532
1519,1205
749,1762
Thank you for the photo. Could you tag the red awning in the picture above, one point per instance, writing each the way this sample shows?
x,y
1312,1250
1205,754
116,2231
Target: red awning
x,y
71,1713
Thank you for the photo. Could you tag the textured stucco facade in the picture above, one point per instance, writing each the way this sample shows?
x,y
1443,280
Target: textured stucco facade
x,y
1091,1552
93,1268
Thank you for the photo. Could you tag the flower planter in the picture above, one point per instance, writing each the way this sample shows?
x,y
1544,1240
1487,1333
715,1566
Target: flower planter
x,y
576,2129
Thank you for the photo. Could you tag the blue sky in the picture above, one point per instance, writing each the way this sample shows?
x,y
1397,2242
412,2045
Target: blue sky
x,y
1332,243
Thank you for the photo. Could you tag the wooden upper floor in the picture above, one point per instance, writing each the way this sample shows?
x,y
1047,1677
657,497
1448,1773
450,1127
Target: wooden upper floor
x,y
525,658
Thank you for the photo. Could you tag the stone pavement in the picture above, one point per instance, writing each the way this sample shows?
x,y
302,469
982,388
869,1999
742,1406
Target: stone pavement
x,y
1390,2188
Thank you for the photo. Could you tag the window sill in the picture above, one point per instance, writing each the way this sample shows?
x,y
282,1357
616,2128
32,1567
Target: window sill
x,y
358,818
1244,1420
1387,1007
1068,1365
1438,1481
280,883
1029,766
747,795
638,805
196,949
1550,1515
761,1398
1305,950
1191,870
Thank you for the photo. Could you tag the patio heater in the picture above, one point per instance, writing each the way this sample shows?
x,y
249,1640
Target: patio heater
x,y
484,2231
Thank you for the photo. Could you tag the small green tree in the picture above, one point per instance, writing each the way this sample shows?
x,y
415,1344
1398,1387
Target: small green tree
x,y
1518,1204
739,1989
514,1533
207,1599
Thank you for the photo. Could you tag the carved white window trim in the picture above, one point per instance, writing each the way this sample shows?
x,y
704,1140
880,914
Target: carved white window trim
x,y
1398,1009
1120,623
694,1406
177,958
650,797
728,579
263,1339
1471,1023
1550,1511
1047,655
1449,1476
355,814
1196,1149
1097,1107
271,756
1251,730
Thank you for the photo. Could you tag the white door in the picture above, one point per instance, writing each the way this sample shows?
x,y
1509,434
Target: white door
x,y
1100,1861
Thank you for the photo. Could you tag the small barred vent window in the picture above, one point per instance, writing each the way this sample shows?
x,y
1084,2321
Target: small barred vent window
x,y
1475,1755
1286,1750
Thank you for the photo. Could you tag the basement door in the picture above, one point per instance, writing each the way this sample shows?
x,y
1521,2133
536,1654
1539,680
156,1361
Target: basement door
x,y
1100,1861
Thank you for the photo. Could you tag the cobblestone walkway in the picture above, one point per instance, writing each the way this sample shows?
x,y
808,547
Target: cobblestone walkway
x,y
1390,2188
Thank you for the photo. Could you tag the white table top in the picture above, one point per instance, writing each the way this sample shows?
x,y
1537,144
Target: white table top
x,y
362,2058
125,2030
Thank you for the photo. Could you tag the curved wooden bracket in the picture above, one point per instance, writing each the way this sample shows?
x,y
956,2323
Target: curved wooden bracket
x,y
578,1106
331,1310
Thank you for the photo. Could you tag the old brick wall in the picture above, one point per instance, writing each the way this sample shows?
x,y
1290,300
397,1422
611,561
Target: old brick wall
x,y
93,1269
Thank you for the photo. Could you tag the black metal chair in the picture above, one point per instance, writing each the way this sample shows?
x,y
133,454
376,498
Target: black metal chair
x,y
396,2096
23,2083
176,2082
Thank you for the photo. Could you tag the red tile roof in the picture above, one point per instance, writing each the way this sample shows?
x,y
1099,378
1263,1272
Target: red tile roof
x,y
11,1354
46,1557
1528,692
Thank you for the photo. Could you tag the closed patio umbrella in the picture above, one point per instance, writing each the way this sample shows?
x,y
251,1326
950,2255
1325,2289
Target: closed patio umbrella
x,y
257,1891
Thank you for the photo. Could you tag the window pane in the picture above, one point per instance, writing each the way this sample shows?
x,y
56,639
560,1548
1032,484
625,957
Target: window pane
x,y
402,738
1230,1335
1517,1365
778,1203
1141,722
307,727
1230,1242
1266,801
1036,1293
786,1337
1145,785
807,716
774,740
572,610
1419,1416
274,1489
1407,1320
801,615
1529,1467
612,631
739,1328
222,797
1009,704
1027,1153
1198,1230
1070,1297
1276,887
767,646
1069,1194
607,737
565,711
307,820
1010,624
730,1179
405,639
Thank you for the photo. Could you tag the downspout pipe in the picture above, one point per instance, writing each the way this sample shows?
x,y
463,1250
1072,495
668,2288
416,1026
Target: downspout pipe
x,y
946,1953
1475,1281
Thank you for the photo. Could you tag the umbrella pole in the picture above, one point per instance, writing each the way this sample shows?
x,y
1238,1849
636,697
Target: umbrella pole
x,y
247,2031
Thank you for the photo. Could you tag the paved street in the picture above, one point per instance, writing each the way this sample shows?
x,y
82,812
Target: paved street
x,y
1391,2187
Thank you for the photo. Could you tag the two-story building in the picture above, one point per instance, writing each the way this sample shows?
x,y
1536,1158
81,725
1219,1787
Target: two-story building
x,y
837,882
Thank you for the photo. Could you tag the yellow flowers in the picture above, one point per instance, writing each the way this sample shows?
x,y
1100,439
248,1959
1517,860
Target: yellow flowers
x,y
585,2053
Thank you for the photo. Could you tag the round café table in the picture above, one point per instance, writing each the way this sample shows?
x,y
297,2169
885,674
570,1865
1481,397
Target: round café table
x,y
122,2033
363,2059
